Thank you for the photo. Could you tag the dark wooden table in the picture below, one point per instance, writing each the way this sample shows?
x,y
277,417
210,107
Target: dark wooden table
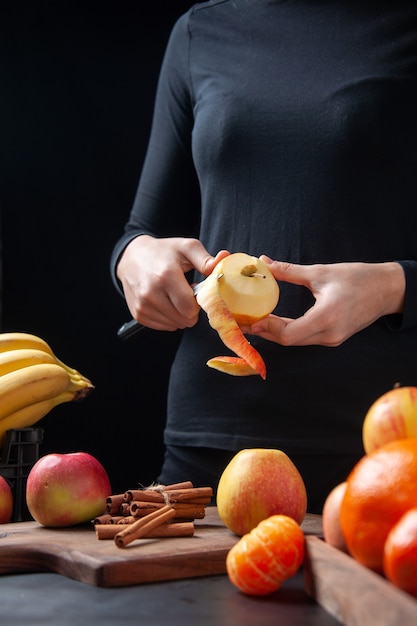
x,y
48,598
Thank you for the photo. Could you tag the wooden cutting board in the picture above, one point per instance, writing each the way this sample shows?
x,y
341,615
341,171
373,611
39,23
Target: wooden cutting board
x,y
77,553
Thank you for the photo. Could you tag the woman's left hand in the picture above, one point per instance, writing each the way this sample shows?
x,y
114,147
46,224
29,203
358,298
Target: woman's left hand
x,y
348,298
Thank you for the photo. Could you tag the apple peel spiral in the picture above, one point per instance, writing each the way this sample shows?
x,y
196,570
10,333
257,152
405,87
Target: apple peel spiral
x,y
240,290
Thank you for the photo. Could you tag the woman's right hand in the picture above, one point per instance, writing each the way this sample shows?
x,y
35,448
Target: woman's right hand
x,y
152,273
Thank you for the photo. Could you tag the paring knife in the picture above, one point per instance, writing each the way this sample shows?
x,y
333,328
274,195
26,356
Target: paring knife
x,y
128,329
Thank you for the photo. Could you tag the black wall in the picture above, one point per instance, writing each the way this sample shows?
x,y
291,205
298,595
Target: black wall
x,y
76,102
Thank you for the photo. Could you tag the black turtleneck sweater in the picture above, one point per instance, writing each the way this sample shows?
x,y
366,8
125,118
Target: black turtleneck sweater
x,y
288,128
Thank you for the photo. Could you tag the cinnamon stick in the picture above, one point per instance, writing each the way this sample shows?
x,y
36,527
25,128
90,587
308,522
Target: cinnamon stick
x,y
182,529
106,518
187,484
130,494
183,509
125,508
197,493
128,519
201,495
114,502
143,525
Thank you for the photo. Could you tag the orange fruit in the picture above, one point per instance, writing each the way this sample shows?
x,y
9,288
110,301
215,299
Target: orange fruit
x,y
263,559
400,553
380,489
332,530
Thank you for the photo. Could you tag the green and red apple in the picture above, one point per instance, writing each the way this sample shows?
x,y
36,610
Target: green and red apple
x,y
392,416
67,489
6,501
258,483
240,291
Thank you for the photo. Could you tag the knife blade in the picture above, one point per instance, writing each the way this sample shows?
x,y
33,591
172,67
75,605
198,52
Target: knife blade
x,y
131,328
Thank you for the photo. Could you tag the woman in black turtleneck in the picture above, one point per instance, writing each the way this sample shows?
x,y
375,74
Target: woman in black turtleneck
x,y
286,129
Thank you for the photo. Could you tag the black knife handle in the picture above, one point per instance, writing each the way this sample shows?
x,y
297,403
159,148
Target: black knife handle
x,y
129,329
133,327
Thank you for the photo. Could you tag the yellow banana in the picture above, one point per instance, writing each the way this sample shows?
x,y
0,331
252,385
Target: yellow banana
x,y
80,387
18,341
32,384
12,360
29,415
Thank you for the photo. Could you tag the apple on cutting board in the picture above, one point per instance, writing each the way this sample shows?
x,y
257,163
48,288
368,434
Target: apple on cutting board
x,y
67,489
258,483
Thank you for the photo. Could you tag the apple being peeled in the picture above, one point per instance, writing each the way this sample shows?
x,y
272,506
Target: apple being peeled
x,y
6,501
247,286
67,489
240,290
392,416
258,483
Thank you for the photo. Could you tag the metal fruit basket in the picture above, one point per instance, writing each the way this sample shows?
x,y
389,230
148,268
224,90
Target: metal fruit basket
x,y
19,453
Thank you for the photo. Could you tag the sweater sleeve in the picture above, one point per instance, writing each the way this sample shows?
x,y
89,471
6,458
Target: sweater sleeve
x,y
167,201
408,319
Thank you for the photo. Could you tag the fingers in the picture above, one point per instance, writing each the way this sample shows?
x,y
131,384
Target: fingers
x,y
271,328
206,265
289,272
158,294
303,331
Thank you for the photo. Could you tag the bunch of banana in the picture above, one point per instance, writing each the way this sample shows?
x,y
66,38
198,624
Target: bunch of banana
x,y
33,381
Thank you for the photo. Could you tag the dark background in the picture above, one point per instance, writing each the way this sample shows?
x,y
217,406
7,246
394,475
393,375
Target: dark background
x,y
78,86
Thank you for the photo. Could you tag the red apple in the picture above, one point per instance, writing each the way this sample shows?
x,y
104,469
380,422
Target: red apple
x,y
6,501
67,489
392,416
258,483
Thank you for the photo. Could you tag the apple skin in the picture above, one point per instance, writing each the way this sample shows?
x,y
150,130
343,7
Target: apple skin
x,y
392,416
67,489
6,501
229,332
258,483
236,366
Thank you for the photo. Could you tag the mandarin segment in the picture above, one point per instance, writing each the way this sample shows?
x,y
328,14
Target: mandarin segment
x,y
264,558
